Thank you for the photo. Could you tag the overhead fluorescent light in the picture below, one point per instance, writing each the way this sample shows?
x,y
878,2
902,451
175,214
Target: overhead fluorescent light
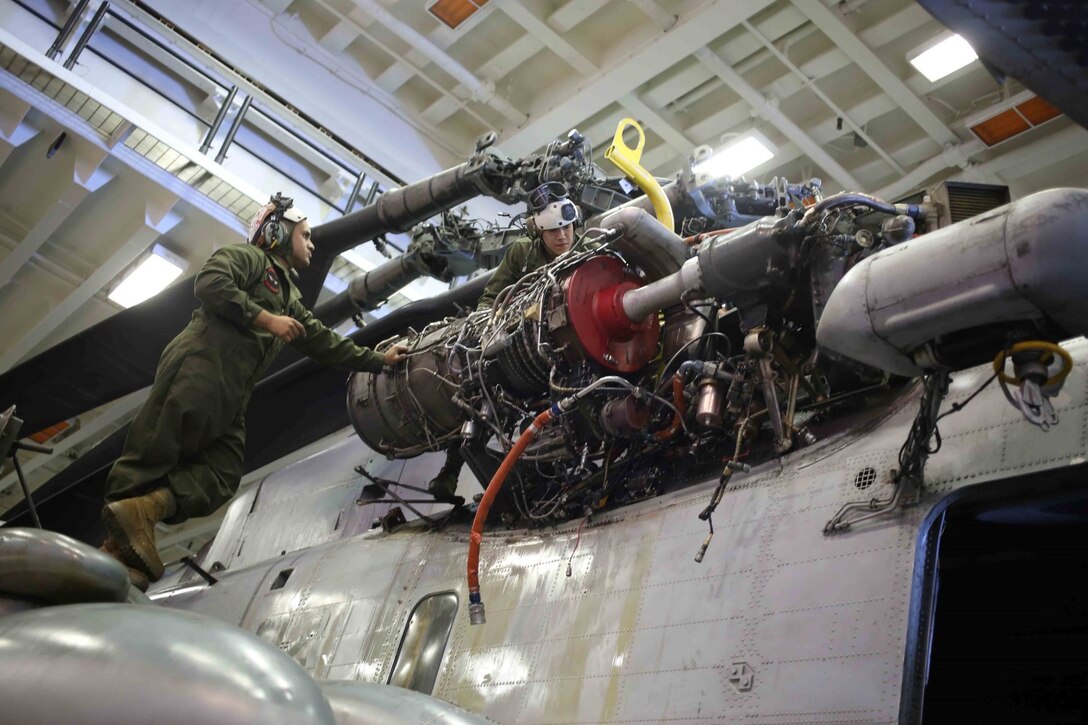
x,y
1010,118
148,278
945,57
737,157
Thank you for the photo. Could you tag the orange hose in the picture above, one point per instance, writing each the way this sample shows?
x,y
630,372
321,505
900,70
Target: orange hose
x,y
698,238
678,400
477,535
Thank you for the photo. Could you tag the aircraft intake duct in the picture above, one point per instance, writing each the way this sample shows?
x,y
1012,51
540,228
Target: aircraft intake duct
x,y
900,310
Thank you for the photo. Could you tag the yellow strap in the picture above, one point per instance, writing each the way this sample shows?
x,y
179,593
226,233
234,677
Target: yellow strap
x,y
627,159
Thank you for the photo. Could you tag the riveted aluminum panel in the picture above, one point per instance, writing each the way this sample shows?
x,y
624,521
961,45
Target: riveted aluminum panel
x,y
640,632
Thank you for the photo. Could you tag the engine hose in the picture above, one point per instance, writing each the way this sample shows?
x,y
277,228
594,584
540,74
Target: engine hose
x,y
476,604
846,198
678,400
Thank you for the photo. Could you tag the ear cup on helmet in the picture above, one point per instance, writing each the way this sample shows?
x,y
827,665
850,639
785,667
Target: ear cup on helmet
x,y
531,228
275,233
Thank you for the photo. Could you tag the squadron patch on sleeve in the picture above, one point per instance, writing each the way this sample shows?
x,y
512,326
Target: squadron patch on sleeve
x,y
272,280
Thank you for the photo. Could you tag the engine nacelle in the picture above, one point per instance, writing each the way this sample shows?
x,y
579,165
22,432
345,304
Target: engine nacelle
x,y
899,309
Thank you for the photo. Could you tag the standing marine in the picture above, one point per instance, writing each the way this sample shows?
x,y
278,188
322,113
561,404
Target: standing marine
x,y
183,456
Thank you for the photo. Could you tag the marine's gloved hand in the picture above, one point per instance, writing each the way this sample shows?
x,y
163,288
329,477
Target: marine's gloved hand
x,y
395,354
285,328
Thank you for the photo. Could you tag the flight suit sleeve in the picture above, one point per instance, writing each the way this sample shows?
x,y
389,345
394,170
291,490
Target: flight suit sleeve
x,y
507,273
222,281
331,348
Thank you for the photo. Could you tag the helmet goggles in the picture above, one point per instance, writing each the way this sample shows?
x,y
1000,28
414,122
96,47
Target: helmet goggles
x,y
545,194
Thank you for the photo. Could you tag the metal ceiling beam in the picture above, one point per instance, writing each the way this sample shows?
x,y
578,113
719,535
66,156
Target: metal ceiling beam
x,y
768,109
481,91
630,67
14,130
810,83
662,19
157,219
574,12
402,70
785,24
547,37
867,60
510,58
786,85
1032,157
825,133
339,37
86,177
658,124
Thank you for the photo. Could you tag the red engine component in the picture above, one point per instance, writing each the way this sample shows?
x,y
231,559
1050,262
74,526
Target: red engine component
x,y
594,295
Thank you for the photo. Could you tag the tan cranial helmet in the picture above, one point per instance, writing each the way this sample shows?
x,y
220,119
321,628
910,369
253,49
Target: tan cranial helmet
x,y
272,225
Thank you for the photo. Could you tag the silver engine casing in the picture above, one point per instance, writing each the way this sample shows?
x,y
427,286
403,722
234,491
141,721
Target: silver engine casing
x,y
1024,260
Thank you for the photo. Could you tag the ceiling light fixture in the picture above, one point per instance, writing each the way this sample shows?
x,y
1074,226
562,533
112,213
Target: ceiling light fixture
x,y
936,60
738,157
148,278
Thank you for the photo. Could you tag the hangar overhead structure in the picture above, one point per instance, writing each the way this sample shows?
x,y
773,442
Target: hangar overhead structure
x,y
169,136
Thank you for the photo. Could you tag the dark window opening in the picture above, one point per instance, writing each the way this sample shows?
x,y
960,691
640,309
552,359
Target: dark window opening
x,y
1010,628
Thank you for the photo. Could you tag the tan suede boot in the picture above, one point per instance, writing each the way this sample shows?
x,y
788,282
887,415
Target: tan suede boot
x,y
137,577
131,524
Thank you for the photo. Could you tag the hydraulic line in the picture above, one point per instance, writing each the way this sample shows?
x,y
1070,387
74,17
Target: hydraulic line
x,y
678,400
475,601
476,605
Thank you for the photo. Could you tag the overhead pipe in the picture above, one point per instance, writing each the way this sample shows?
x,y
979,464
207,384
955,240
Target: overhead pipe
x,y
67,29
85,38
234,126
218,122
955,155
355,190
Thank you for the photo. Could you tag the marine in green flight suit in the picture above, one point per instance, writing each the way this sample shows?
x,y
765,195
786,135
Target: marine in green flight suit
x,y
184,453
522,257
551,216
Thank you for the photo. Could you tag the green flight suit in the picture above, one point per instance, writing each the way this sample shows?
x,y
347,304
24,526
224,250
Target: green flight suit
x,y
522,257
190,434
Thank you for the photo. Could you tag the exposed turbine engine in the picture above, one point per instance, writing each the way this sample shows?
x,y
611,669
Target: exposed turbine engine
x,y
656,353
